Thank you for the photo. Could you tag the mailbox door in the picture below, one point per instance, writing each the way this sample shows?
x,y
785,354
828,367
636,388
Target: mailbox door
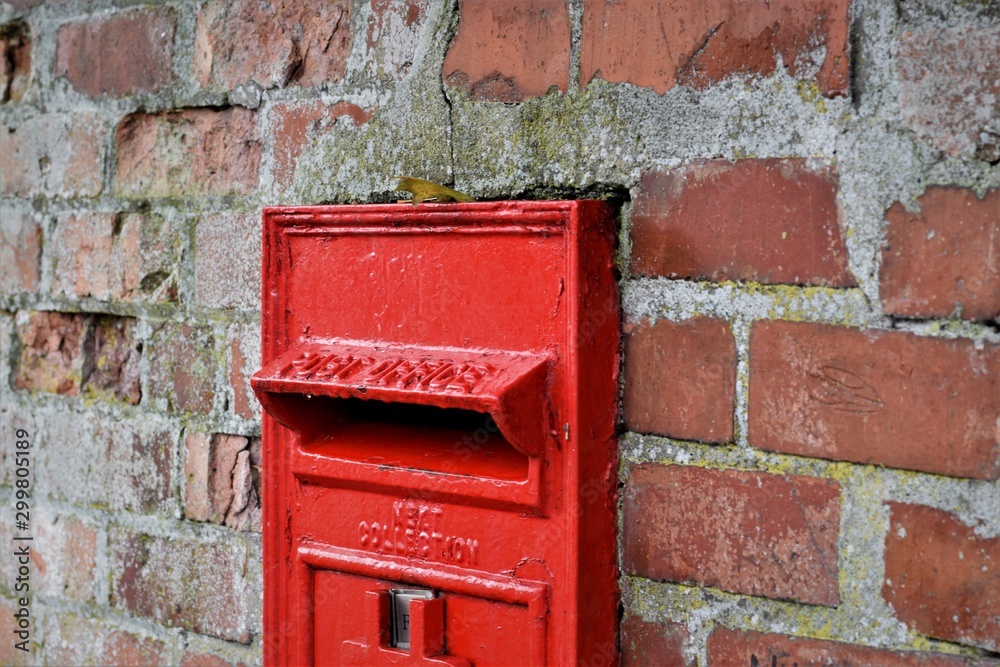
x,y
440,385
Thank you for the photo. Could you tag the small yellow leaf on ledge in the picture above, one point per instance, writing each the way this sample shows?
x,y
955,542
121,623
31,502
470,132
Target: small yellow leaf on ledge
x,y
428,191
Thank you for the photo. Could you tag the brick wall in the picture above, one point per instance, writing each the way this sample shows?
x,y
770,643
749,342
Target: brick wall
x,y
809,256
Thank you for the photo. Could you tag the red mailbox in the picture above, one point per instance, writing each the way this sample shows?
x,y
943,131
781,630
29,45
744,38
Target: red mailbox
x,y
440,385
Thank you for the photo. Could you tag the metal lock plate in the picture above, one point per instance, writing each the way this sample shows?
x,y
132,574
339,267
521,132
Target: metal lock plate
x,y
399,619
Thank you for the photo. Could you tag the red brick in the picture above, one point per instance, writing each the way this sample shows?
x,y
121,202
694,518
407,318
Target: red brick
x,y
62,353
15,61
188,152
941,578
9,654
244,511
770,221
126,53
203,587
743,647
653,644
244,360
20,249
220,485
51,352
394,31
64,556
680,379
182,367
52,154
746,532
75,640
661,44
508,52
297,125
294,41
121,465
227,261
113,355
120,257
887,398
944,257
192,659
949,87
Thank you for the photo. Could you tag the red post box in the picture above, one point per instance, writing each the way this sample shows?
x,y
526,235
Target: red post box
x,y
439,465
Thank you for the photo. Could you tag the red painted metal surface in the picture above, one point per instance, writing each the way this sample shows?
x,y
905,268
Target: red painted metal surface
x,y
440,385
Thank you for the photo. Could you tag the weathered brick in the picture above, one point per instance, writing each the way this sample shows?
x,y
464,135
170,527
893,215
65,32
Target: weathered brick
x,y
188,152
10,567
888,398
648,644
227,261
203,587
949,87
74,640
244,511
510,51
27,4
125,53
51,352
744,647
52,154
62,353
941,578
746,532
769,220
297,124
222,466
193,659
64,555
112,357
118,465
665,43
9,653
197,467
220,482
15,61
943,258
680,379
182,367
244,360
394,31
12,419
20,251
294,41
6,362
120,257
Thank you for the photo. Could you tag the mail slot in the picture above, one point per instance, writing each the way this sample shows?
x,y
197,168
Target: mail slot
x,y
439,466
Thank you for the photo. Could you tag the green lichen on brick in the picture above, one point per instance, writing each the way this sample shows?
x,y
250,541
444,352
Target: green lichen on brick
x,y
557,141
409,136
810,93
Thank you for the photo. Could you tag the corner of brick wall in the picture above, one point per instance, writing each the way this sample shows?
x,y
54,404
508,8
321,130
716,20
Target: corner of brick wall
x,y
808,252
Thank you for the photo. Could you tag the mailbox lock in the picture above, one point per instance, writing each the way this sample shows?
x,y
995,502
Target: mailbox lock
x,y
399,618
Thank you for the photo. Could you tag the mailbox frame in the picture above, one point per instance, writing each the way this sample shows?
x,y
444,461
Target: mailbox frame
x,y
568,588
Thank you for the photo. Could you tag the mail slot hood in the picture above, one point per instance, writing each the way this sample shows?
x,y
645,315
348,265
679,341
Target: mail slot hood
x,y
509,387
